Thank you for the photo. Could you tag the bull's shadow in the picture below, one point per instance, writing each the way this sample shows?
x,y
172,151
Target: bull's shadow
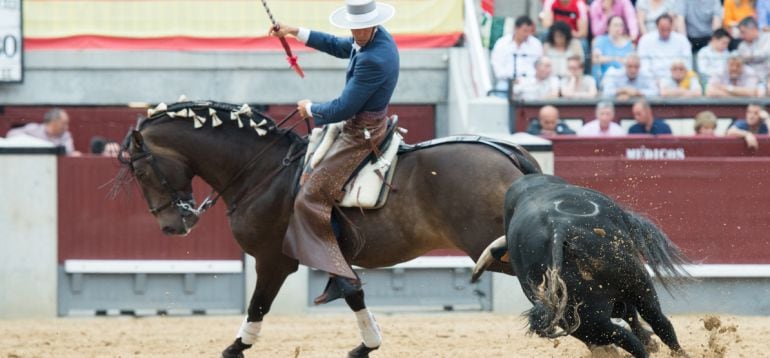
x,y
579,258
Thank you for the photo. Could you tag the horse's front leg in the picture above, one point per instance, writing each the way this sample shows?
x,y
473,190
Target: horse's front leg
x,y
370,331
270,278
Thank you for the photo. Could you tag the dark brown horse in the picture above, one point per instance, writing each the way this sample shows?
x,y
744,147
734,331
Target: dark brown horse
x,y
449,195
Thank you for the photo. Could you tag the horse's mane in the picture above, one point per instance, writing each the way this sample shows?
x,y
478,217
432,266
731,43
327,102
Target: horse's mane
x,y
221,110
201,114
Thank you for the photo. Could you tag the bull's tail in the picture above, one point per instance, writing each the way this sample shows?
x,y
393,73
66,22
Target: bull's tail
x,y
662,255
548,316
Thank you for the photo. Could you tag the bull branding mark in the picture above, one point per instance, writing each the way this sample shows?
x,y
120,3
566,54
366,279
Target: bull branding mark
x,y
571,210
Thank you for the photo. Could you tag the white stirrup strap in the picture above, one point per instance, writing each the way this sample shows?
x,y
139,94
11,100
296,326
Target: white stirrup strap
x,y
370,331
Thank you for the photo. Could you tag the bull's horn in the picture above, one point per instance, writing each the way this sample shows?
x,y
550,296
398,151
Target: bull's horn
x,y
486,258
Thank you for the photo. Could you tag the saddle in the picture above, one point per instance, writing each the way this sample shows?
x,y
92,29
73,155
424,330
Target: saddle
x,y
369,185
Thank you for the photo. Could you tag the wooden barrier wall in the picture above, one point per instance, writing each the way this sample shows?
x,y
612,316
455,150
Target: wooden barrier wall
x,y
711,196
93,226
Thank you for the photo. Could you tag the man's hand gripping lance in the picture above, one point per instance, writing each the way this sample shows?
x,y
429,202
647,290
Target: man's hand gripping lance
x,y
291,58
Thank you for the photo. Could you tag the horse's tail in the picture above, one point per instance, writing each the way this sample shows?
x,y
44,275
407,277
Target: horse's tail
x,y
662,255
527,163
550,302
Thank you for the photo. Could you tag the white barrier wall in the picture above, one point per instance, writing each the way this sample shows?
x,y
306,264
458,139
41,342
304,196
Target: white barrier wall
x,y
28,228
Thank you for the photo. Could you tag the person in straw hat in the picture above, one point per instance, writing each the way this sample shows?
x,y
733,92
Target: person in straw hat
x,y
370,80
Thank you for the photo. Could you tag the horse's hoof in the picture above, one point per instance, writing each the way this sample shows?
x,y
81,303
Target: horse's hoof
x,y
361,351
236,349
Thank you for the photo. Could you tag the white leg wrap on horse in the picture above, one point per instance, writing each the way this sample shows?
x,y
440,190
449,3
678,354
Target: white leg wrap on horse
x,y
370,331
249,331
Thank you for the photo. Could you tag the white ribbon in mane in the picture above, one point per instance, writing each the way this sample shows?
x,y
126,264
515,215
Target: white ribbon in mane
x,y
215,121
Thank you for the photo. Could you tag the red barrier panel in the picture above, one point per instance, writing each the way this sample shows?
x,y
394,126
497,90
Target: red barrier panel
x,y
113,122
92,226
709,195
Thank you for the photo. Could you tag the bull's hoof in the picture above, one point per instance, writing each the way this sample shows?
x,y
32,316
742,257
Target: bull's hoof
x,y
651,346
236,349
361,351
679,353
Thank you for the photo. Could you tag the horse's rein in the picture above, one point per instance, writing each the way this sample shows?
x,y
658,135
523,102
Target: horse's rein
x,y
287,160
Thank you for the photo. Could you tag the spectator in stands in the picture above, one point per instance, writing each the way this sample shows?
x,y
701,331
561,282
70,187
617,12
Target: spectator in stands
x,y
559,45
577,84
737,80
659,48
755,47
698,19
629,83
604,125
748,128
543,85
610,50
548,123
514,56
705,124
648,11
735,11
572,12
682,82
601,11
712,59
645,122
54,129
763,15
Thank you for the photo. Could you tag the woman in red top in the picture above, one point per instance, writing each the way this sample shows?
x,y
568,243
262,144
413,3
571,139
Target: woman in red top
x,y
573,12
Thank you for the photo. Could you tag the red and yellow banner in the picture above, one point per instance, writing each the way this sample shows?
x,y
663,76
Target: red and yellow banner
x,y
216,24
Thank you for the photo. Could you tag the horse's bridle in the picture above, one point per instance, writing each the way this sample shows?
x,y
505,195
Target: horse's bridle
x,y
185,203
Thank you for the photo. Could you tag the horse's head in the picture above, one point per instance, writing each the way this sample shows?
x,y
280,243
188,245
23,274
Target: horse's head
x,y
166,182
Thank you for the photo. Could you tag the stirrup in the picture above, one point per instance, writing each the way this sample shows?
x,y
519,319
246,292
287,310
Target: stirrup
x,y
338,287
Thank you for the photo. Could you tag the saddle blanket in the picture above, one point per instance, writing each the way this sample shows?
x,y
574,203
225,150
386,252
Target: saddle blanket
x,y
368,187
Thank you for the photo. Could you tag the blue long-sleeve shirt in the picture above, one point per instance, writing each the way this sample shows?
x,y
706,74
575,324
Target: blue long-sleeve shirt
x,y
370,80
763,13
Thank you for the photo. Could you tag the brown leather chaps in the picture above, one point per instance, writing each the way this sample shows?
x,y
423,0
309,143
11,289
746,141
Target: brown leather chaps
x,y
310,238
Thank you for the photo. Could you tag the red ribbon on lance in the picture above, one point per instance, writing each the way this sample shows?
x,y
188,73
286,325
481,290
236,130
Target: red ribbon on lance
x,y
291,58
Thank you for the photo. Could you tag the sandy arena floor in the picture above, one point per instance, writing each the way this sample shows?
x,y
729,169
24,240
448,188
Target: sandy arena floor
x,y
332,335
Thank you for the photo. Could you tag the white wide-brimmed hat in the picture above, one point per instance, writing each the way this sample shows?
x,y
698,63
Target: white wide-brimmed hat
x,y
360,14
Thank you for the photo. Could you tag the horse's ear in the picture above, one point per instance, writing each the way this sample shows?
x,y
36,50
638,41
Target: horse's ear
x,y
136,137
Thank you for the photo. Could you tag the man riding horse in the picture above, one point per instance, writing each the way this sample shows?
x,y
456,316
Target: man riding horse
x,y
371,77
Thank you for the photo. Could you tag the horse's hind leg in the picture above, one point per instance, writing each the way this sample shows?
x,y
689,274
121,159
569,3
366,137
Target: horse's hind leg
x,y
370,331
270,278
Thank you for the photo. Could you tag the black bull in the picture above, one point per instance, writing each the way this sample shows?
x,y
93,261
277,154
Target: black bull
x,y
578,256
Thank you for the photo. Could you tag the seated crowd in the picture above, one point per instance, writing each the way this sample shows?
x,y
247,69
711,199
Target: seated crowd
x,y
624,50
618,49
549,123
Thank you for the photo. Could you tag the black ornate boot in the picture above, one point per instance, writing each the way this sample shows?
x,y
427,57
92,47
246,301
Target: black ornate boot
x,y
338,287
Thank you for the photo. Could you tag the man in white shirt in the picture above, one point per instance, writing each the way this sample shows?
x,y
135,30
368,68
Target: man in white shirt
x,y
604,124
543,85
54,129
755,47
737,80
712,58
514,56
657,49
